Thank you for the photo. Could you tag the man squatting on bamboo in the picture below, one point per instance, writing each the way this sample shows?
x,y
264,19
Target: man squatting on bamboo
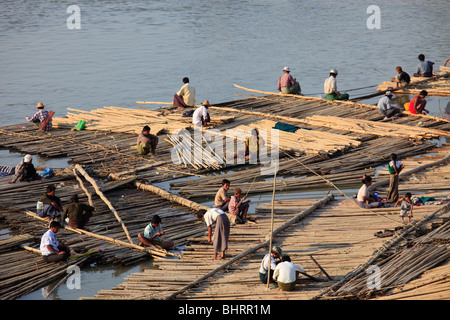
x,y
49,206
146,142
77,213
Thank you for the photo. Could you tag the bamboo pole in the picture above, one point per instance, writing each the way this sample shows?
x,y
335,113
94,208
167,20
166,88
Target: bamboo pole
x,y
271,226
102,196
88,194
170,196
152,251
326,101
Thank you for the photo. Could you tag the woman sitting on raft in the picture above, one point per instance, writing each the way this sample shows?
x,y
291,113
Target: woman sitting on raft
x,y
364,199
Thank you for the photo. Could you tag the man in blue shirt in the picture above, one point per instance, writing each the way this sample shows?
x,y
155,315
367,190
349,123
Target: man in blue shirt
x,y
152,235
385,106
424,68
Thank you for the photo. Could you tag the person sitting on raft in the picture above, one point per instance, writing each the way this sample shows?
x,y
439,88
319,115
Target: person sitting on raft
x,y
402,79
238,207
222,200
385,106
287,84
363,198
424,68
25,171
146,142
49,205
51,249
152,235
418,103
269,264
330,88
77,213
40,116
185,97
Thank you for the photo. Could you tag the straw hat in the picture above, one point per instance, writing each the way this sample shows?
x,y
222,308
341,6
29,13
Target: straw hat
x,y
206,103
40,105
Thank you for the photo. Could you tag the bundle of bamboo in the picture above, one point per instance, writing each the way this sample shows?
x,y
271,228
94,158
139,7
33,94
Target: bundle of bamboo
x,y
115,119
308,141
383,129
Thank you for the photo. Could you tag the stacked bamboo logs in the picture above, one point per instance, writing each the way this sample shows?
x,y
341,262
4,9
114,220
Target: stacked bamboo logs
x,y
304,141
115,119
384,129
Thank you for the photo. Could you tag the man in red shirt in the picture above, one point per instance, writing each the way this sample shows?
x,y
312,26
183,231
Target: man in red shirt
x,y
418,103
287,84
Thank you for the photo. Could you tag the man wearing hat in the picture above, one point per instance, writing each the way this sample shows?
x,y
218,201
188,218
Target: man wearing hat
x,y
287,84
269,264
385,106
330,88
78,213
201,117
25,171
40,116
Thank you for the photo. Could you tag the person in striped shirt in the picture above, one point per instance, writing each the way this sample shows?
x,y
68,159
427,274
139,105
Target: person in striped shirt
x,y
40,117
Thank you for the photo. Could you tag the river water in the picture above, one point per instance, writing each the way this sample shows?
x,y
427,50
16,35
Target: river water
x,y
125,51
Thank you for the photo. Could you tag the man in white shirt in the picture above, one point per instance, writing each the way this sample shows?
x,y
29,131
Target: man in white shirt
x,y
51,250
185,97
201,116
269,264
286,274
330,88
385,106
221,231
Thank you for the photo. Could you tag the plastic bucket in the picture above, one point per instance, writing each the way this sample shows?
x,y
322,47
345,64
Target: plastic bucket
x,y
80,125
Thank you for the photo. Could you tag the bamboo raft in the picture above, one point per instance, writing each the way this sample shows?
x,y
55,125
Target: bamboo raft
x,y
435,86
339,251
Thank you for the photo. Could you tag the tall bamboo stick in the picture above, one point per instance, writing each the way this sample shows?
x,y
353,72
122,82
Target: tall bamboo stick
x,y
102,196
